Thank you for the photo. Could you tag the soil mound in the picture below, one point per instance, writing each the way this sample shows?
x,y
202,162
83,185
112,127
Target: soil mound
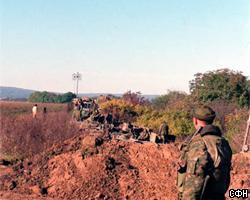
x,y
91,166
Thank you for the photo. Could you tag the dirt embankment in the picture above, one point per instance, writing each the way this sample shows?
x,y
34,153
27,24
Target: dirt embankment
x,y
92,167
240,174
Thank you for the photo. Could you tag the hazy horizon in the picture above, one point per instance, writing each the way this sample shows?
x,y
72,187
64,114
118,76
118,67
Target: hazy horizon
x,y
149,46
91,93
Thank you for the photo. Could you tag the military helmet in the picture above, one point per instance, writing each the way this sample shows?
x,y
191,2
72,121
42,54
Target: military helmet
x,y
204,113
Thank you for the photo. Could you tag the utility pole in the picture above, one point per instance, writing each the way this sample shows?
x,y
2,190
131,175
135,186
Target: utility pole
x,y
76,77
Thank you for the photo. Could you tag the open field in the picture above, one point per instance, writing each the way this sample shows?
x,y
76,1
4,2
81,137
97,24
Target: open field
x,y
13,108
23,136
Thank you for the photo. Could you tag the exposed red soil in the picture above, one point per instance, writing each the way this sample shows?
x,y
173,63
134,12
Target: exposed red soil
x,y
240,174
85,167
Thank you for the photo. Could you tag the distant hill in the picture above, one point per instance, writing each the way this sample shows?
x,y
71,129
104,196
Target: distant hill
x,y
21,93
14,93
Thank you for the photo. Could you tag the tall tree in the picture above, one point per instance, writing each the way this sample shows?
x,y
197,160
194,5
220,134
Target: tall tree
x,y
222,84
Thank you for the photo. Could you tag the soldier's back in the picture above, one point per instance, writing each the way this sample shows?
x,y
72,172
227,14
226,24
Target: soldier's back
x,y
221,155
208,157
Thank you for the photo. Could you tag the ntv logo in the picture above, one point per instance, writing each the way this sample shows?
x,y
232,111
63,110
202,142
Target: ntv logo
x,y
238,193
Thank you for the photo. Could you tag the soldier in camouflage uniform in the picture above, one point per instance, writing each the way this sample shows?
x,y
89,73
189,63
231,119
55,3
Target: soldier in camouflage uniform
x,y
163,132
204,167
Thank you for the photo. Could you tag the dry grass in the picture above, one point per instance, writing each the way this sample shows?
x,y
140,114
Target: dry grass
x,y
22,136
13,108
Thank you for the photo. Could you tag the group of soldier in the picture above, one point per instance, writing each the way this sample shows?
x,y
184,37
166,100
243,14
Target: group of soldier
x,y
205,161
126,130
88,109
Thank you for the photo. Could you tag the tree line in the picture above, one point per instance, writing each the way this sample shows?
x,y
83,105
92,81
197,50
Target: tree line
x,y
49,97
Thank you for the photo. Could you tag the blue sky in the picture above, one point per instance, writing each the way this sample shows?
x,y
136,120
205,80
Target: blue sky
x,y
119,45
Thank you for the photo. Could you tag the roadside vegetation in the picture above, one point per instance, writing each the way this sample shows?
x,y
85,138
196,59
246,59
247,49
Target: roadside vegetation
x,y
226,91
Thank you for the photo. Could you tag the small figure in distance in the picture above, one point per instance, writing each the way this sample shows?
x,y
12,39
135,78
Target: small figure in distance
x,y
34,111
163,132
205,162
44,111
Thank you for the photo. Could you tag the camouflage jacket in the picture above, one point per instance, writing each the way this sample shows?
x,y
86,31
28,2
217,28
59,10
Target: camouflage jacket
x,y
205,166
163,130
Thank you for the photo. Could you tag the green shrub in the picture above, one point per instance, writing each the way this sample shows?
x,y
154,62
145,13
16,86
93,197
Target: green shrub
x,y
179,121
